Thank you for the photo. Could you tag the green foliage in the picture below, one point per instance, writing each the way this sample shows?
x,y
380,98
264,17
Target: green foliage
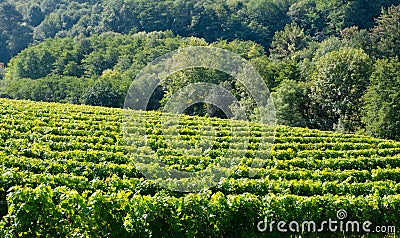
x,y
328,45
49,89
340,80
110,62
34,15
92,37
362,13
381,109
287,42
334,13
212,20
292,103
2,73
353,37
66,172
90,56
35,64
43,72
14,34
306,15
385,35
268,69
105,94
288,70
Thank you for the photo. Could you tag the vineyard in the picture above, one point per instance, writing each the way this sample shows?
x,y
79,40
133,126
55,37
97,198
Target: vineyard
x,y
66,171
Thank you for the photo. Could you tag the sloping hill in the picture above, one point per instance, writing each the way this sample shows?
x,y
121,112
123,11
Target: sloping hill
x,y
66,172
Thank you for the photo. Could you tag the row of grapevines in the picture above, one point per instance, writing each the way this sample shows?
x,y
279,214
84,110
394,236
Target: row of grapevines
x,y
61,211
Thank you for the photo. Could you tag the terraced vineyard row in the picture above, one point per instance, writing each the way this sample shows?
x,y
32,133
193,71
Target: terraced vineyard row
x,y
67,171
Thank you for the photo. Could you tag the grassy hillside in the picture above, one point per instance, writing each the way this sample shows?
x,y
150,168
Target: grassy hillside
x,y
66,172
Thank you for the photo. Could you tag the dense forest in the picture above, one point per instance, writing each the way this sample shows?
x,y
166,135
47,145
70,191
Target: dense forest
x,y
331,65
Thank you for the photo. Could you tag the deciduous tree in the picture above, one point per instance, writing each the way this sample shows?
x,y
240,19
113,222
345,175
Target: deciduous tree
x,y
339,82
381,113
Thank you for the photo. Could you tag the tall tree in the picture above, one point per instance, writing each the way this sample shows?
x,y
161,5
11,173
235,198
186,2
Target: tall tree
x,y
382,100
339,82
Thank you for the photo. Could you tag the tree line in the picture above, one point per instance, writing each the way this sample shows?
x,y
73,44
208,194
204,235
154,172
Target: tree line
x,y
24,22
